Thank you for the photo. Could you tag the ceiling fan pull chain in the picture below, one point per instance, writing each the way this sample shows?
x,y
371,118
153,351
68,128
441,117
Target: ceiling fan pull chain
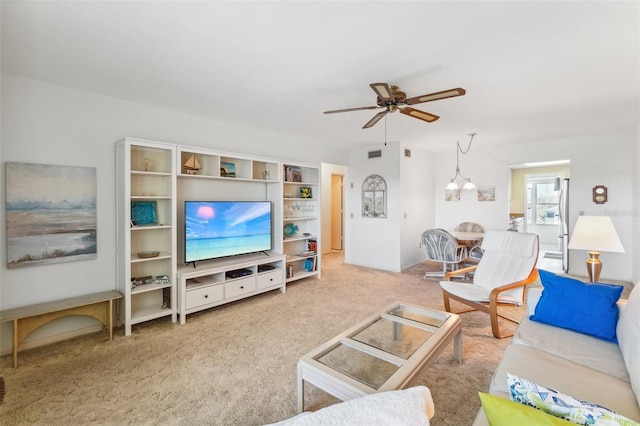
x,y
385,130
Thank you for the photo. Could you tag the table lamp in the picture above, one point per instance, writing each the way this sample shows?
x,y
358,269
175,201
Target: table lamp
x,y
595,234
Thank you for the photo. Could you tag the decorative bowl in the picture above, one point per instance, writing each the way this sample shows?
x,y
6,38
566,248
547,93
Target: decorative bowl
x,y
290,229
148,254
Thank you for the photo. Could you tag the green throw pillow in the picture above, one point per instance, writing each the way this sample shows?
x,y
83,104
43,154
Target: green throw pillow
x,y
503,412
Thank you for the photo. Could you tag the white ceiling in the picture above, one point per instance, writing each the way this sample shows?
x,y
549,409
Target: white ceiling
x,y
532,70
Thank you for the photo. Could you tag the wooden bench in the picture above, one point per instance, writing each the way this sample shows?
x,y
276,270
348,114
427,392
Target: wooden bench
x,y
28,318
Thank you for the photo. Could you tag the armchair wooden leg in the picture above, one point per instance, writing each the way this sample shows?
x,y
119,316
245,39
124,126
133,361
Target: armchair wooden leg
x,y
445,296
496,331
447,303
495,328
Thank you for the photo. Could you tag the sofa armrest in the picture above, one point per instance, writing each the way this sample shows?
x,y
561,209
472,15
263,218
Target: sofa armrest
x,y
533,296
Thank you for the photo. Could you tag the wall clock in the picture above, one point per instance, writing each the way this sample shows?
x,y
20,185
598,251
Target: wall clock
x,y
599,194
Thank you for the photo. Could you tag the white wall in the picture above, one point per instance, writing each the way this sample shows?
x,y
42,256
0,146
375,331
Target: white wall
x,y
393,243
483,170
373,242
418,212
596,160
49,124
44,123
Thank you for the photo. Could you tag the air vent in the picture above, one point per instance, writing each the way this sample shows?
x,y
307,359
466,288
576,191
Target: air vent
x,y
407,153
375,154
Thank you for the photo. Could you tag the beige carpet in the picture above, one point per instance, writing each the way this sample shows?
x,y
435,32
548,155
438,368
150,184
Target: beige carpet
x,y
236,364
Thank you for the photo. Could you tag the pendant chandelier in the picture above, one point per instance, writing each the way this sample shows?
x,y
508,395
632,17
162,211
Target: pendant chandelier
x,y
454,184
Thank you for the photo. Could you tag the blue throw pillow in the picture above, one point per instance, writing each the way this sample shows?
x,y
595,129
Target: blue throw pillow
x,y
588,308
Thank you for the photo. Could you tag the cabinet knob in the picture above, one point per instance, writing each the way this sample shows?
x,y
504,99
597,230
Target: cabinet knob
x,y
206,295
241,286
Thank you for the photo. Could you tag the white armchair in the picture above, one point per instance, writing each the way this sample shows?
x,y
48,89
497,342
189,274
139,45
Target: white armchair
x,y
506,267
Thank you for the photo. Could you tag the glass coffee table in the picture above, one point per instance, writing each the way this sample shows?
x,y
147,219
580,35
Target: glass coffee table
x,y
387,351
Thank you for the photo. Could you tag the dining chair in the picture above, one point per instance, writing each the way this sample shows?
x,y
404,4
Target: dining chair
x,y
507,266
468,227
442,247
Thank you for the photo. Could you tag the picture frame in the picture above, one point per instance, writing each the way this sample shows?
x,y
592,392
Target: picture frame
x,y
296,174
51,214
227,169
305,192
452,195
486,193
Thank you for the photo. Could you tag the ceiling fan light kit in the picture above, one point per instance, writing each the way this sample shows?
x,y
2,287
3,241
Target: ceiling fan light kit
x,y
391,98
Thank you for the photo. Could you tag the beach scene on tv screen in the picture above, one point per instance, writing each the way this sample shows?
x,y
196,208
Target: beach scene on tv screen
x,y
219,229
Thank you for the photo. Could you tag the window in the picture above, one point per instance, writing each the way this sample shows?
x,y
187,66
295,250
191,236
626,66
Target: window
x,y
542,201
374,197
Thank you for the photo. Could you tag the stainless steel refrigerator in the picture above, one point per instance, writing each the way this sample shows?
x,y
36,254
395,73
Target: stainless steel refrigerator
x,y
563,212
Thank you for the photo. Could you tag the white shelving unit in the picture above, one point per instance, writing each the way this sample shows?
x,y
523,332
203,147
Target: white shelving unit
x,y
154,181
146,211
227,166
301,220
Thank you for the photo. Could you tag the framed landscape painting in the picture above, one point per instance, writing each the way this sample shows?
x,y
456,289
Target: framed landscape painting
x,y
486,193
51,214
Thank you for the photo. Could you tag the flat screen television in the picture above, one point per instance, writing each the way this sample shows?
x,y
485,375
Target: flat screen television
x,y
214,229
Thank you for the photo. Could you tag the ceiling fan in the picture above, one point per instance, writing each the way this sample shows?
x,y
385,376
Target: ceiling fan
x,y
390,98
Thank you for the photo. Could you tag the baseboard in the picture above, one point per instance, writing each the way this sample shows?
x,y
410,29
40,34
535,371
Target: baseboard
x,y
8,350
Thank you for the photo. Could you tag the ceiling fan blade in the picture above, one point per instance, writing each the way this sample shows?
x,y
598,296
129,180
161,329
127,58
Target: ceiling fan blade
x,y
436,96
352,109
416,113
383,91
375,119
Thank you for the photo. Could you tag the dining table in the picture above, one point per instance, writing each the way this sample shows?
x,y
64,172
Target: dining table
x,y
467,235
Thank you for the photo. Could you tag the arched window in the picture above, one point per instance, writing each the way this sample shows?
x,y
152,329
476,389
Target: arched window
x,y
374,197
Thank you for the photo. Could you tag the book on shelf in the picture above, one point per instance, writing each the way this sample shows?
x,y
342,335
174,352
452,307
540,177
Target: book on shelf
x,y
292,174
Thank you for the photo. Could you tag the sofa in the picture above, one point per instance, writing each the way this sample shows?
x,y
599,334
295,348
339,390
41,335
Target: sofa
x,y
551,356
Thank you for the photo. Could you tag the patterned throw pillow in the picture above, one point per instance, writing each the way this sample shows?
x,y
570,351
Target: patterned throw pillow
x,y
563,406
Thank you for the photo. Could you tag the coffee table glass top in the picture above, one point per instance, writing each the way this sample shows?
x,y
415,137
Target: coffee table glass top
x,y
393,337
435,319
358,365
400,332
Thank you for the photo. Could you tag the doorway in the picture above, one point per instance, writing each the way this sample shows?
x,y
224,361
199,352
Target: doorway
x,y
337,212
539,195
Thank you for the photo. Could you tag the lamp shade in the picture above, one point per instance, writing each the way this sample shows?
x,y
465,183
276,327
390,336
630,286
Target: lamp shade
x,y
469,185
595,233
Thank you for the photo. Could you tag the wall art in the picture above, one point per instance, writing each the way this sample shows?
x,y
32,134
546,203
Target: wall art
x,y
486,193
374,197
452,195
51,214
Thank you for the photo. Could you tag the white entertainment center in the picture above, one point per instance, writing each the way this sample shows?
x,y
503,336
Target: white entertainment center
x,y
154,181
218,282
